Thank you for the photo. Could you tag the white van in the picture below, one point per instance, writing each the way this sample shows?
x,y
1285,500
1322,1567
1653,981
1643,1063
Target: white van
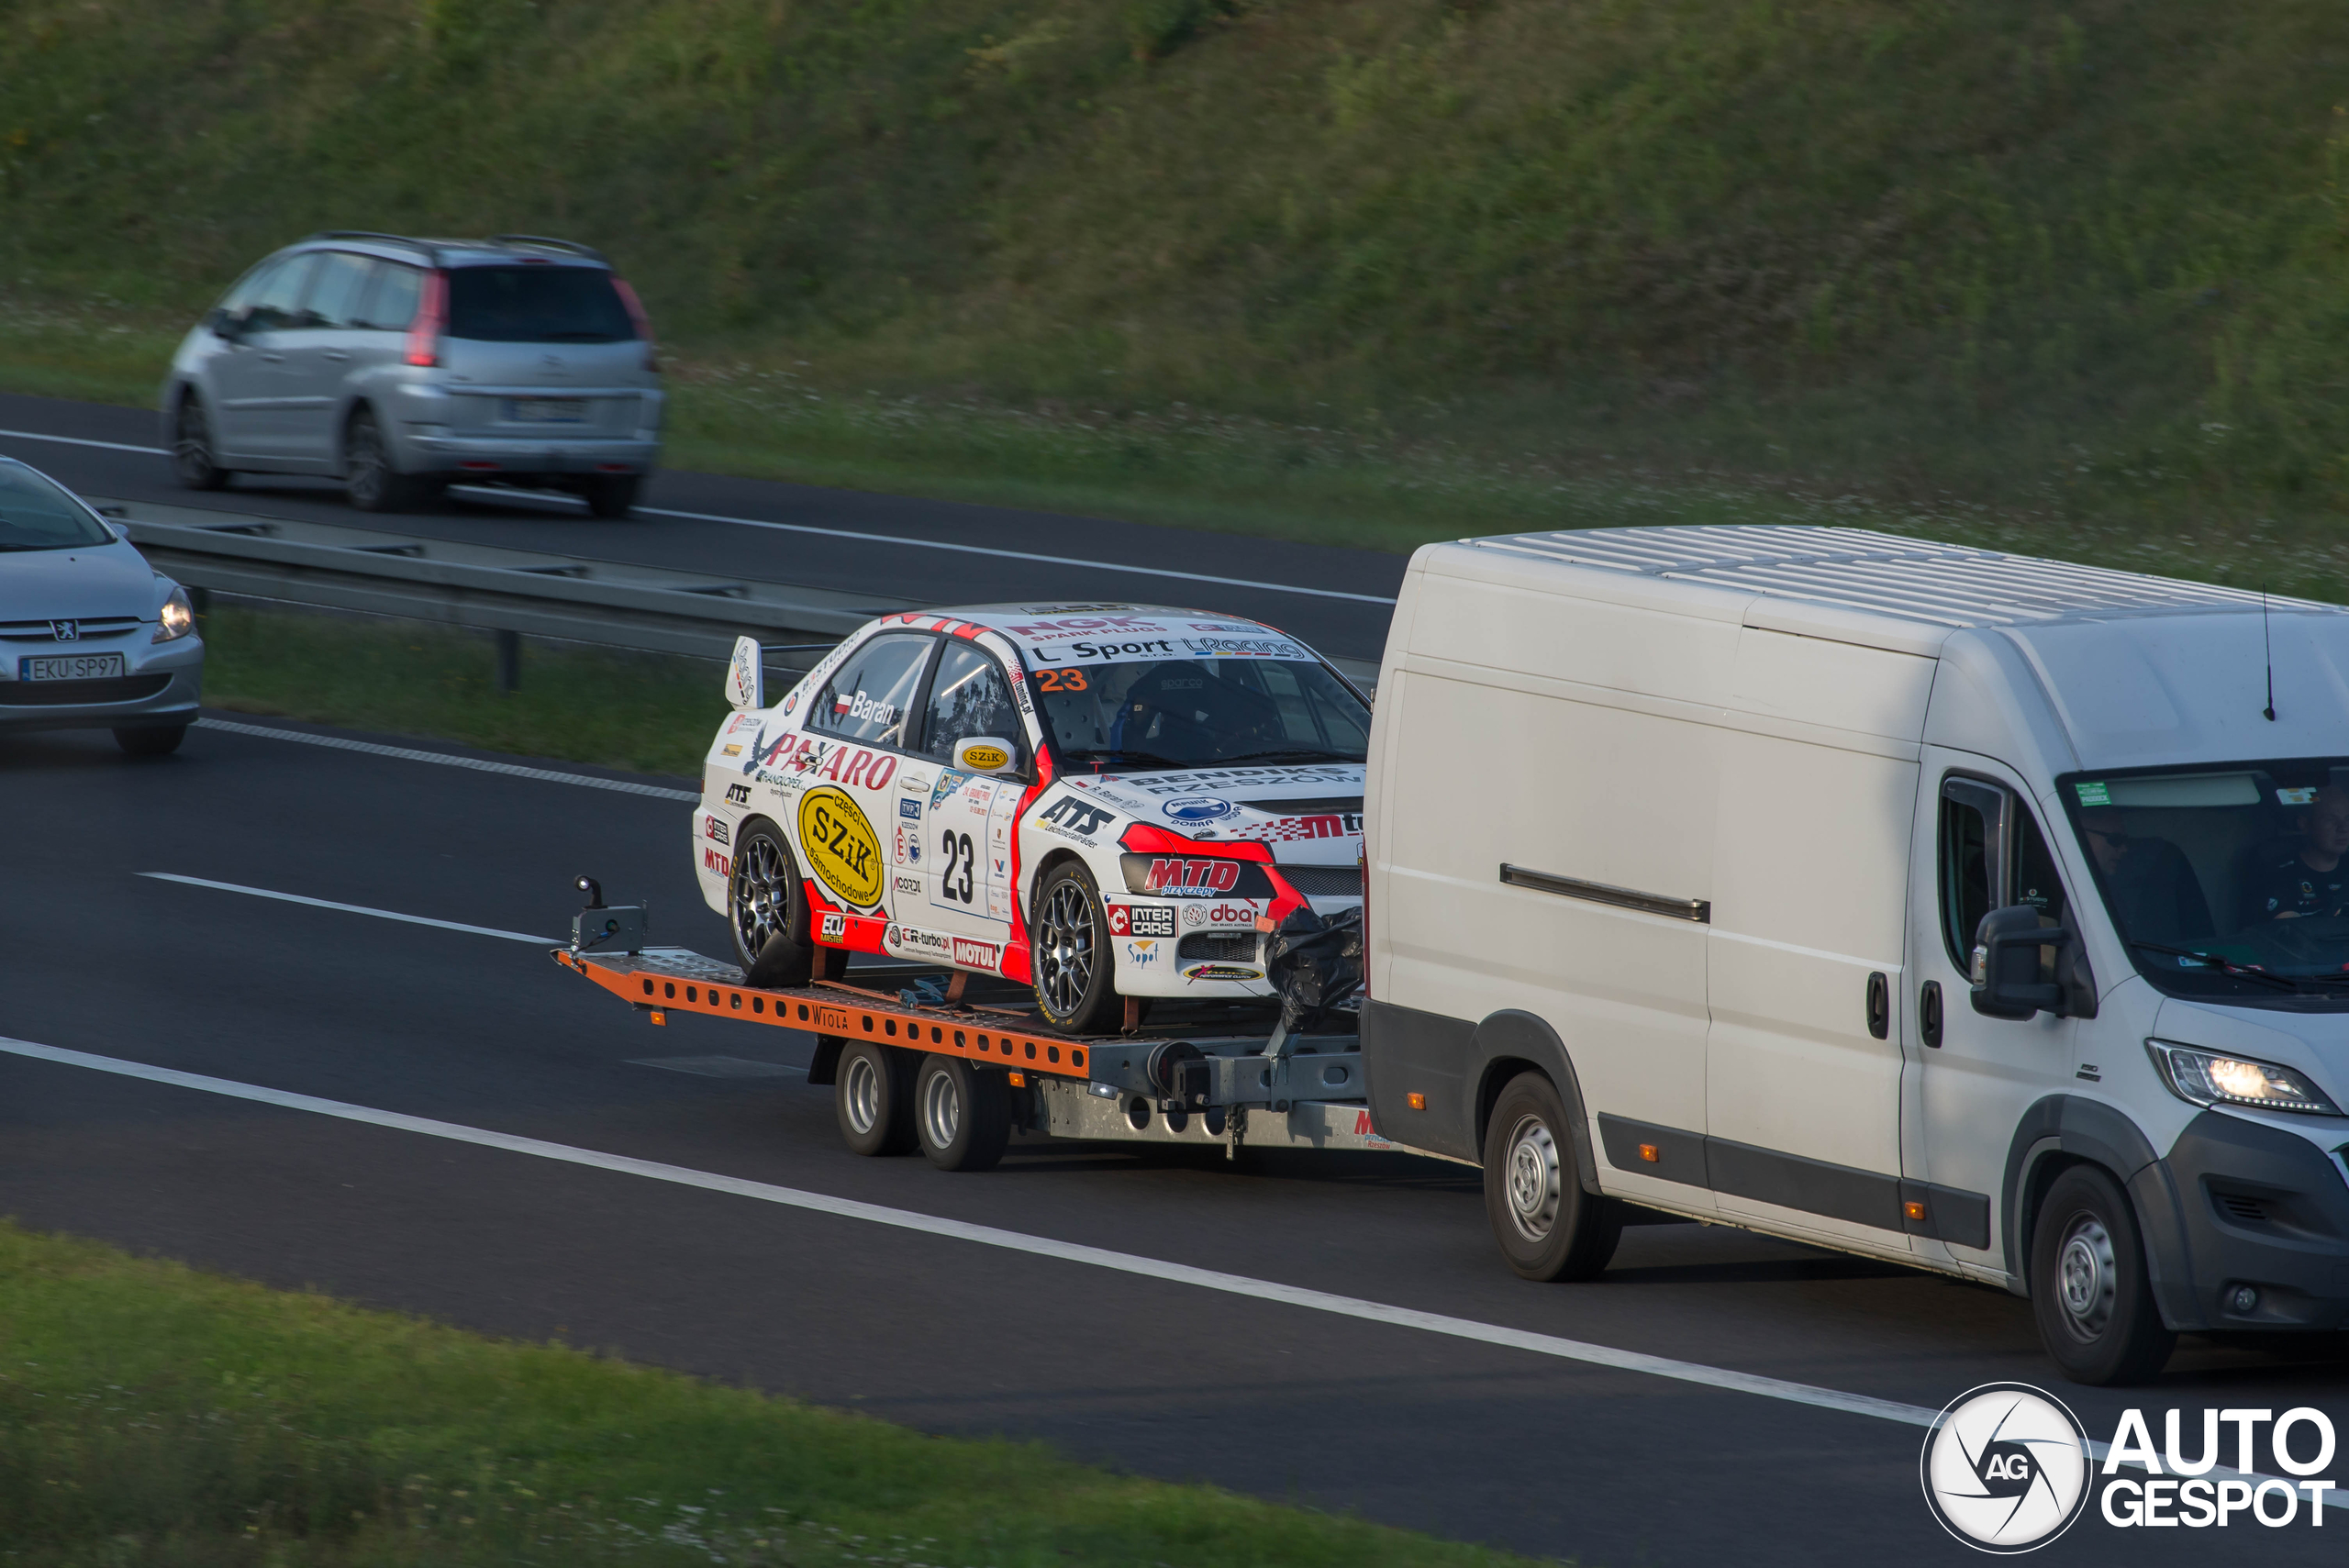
x,y
1963,910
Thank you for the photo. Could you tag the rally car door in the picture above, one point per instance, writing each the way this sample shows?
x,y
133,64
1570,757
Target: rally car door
x,y
969,819
855,733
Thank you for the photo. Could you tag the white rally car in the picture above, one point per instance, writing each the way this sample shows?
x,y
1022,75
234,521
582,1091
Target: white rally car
x,y
1103,801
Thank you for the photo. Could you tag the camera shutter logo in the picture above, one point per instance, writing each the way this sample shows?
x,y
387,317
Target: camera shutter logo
x,y
2006,1468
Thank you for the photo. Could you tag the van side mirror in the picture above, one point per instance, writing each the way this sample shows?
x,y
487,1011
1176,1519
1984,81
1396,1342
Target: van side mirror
x,y
746,675
987,754
2005,968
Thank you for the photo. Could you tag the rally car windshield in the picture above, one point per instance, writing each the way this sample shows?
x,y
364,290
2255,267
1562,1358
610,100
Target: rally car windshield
x,y
1190,713
2227,882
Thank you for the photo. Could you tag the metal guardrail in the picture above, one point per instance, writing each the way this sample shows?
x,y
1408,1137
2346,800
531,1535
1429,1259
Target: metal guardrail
x,y
514,593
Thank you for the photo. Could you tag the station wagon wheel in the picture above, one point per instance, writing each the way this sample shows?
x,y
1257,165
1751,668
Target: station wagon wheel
x,y
1075,989
766,906
2090,1291
1548,1226
375,486
194,456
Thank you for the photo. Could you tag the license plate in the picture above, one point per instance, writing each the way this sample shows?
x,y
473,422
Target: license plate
x,y
546,410
70,667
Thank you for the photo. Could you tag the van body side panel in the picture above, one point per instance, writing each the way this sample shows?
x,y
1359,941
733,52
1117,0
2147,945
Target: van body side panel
x,y
1405,1052
1811,883
1497,775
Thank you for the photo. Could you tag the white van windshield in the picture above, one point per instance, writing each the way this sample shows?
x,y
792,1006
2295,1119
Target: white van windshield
x,y
2225,881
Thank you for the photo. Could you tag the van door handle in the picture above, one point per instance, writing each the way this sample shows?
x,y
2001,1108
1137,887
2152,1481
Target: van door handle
x,y
1879,1006
272,359
1929,1013
336,356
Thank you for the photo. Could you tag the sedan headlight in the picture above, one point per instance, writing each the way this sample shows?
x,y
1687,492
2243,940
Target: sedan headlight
x,y
176,619
2216,1078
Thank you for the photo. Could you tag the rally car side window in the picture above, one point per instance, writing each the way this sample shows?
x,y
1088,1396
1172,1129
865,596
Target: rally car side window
x,y
872,695
968,696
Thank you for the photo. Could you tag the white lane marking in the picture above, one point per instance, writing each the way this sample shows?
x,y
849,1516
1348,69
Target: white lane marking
x,y
351,908
873,539
1020,555
406,754
82,441
1045,1247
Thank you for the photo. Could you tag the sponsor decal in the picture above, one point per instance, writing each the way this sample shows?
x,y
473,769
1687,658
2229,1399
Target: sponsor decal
x,y
908,844
948,783
732,751
834,927
1185,877
712,861
863,709
1080,625
740,722
986,759
1195,915
1294,829
1221,972
1243,648
908,807
713,829
912,941
1077,818
1142,954
1201,780
904,883
1149,920
1160,647
969,954
1227,914
1199,808
1239,626
738,794
841,847
1120,920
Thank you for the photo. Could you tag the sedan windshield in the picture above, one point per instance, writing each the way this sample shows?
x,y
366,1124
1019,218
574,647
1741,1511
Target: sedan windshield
x,y
1191,713
2225,881
36,515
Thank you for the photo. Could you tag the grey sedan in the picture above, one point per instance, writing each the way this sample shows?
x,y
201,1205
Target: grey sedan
x,y
91,637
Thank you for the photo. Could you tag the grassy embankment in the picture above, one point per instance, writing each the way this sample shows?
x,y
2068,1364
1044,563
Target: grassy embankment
x,y
1377,272
156,1416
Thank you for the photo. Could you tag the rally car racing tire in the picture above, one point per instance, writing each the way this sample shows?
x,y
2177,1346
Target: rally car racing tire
x,y
872,1097
1548,1228
962,1113
2089,1289
1075,983
766,907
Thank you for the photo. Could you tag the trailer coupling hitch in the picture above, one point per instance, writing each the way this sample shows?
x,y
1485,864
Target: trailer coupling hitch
x,y
618,928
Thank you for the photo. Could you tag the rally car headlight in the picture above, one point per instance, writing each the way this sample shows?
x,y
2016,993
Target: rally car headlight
x,y
2217,1078
176,619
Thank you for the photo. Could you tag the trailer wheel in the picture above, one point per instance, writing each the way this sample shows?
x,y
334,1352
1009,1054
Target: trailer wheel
x,y
767,907
1548,1228
2089,1286
1075,989
873,1099
962,1114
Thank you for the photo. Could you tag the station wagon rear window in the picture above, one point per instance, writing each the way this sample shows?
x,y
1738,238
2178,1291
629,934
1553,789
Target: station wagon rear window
x,y
536,304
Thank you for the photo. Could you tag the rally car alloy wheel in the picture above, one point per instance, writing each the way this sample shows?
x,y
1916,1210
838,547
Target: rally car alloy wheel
x,y
1549,1229
767,907
1075,988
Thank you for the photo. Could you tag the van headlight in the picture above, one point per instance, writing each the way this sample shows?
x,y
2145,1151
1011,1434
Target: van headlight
x,y
176,619
2218,1078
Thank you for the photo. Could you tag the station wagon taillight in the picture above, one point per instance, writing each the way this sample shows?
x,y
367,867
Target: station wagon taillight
x,y
636,314
432,320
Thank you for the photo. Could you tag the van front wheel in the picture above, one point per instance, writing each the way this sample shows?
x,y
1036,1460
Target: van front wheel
x,y
1548,1228
2089,1286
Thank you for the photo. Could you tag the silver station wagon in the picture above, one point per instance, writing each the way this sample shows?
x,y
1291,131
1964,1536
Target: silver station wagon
x,y
402,366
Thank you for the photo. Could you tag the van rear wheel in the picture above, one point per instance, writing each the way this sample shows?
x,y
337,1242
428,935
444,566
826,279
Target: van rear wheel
x,y
1548,1228
2089,1289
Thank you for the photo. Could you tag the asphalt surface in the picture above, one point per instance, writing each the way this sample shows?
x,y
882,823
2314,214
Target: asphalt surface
x,y
1465,1439
1348,628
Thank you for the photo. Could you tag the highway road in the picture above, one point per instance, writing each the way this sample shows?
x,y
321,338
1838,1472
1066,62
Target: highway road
x,y
222,913
929,551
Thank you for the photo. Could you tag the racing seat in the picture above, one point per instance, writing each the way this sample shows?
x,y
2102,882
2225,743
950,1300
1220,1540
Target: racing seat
x,y
1177,696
